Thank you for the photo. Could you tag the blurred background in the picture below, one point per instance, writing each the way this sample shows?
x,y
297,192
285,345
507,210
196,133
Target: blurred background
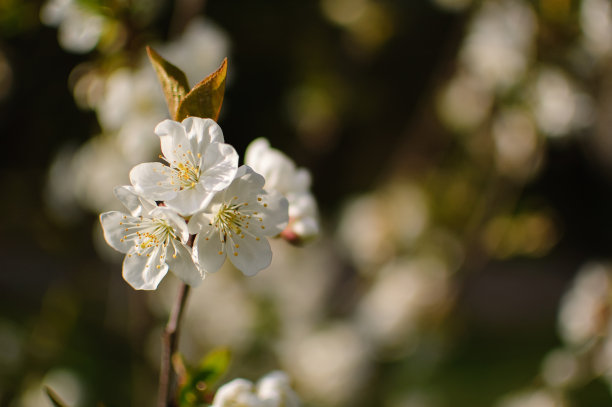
x,y
461,156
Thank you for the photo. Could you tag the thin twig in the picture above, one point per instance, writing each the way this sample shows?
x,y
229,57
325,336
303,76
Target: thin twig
x,y
169,345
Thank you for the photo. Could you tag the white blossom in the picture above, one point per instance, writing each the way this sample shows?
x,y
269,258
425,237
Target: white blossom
x,y
583,308
130,106
79,28
272,390
200,164
236,224
199,50
500,42
282,175
154,239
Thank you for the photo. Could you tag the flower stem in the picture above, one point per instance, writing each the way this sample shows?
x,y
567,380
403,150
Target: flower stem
x,y
169,344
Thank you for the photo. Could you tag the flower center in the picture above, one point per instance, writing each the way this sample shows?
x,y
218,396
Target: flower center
x,y
185,173
188,174
231,220
148,234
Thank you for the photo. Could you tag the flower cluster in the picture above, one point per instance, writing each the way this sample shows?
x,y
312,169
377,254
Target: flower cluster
x,y
272,390
189,214
294,183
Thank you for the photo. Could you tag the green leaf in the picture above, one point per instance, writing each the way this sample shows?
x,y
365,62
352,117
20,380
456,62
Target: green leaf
x,y
206,98
57,402
198,383
213,366
173,80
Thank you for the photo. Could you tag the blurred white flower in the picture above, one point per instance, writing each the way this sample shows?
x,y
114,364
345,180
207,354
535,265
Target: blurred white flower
x,y
128,93
199,50
276,389
560,368
596,24
272,390
374,227
516,143
282,175
97,167
329,366
232,324
131,106
558,106
405,294
363,230
238,392
298,282
465,102
154,239
499,42
584,308
65,383
79,28
531,398
236,224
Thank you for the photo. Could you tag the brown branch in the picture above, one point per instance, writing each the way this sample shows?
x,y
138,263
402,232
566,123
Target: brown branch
x,y
169,344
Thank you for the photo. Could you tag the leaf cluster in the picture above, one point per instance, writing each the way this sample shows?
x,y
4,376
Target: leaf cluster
x,y
204,100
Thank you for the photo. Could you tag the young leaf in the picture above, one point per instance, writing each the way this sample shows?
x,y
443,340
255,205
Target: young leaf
x,y
173,80
213,366
206,98
196,385
57,402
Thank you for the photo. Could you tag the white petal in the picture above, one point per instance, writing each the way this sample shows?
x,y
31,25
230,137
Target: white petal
x,y
275,389
152,180
181,264
209,250
305,228
302,204
145,272
137,205
252,254
219,166
301,180
247,184
238,392
277,169
255,151
174,142
189,201
199,222
202,132
274,212
114,230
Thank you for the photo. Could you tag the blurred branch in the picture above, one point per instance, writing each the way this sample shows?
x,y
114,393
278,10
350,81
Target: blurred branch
x,y
169,344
